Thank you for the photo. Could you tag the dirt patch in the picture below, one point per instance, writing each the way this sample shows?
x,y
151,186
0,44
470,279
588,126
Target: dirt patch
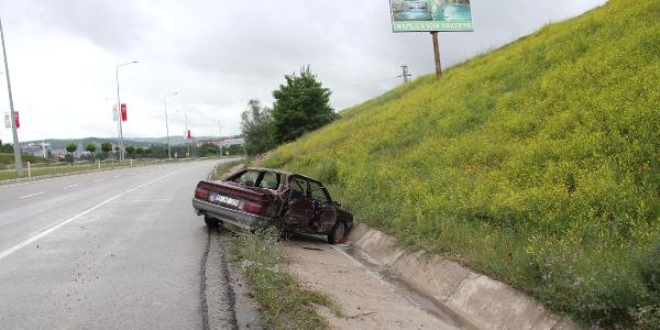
x,y
367,299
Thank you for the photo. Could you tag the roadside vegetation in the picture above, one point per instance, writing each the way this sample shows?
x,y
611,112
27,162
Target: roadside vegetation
x,y
225,168
8,159
537,164
62,168
285,304
101,156
302,105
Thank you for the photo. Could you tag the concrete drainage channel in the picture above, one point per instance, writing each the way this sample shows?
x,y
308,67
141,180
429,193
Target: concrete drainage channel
x,y
402,288
442,288
473,300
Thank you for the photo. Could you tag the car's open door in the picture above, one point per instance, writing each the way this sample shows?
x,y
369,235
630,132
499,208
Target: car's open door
x,y
301,210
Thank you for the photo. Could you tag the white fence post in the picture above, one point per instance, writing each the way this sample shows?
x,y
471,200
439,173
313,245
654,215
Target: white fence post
x,y
29,170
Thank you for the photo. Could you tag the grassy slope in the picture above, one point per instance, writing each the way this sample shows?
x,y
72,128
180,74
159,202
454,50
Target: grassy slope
x,y
8,159
538,163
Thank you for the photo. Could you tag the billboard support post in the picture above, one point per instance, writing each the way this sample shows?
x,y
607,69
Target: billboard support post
x,y
432,16
436,51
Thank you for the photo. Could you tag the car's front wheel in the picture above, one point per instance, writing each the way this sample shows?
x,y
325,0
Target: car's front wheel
x,y
211,222
337,233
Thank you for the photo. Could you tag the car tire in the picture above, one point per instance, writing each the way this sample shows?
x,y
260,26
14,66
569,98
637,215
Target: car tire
x,y
337,233
211,222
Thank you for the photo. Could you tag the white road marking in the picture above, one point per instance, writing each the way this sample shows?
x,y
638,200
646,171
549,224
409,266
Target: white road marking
x,y
99,180
32,195
46,232
71,186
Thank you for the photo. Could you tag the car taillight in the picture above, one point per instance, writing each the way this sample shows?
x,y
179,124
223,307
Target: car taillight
x,y
202,193
252,207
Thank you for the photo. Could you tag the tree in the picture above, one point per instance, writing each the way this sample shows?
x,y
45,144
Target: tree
x,y
257,128
71,148
106,147
91,147
158,151
130,149
234,150
6,148
301,106
208,149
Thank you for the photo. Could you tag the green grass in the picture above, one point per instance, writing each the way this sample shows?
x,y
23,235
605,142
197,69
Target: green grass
x,y
63,168
223,169
537,164
8,159
284,302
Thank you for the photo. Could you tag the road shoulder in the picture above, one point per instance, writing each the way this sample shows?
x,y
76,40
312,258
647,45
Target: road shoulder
x,y
367,300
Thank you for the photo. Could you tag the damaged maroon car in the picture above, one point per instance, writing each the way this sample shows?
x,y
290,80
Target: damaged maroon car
x,y
254,198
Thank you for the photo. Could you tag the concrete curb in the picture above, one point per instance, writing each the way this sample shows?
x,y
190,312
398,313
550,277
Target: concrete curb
x,y
474,300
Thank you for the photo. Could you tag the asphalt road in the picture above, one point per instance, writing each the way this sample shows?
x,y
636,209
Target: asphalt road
x,y
110,250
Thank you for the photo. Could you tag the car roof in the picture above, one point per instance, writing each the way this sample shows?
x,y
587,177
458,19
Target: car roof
x,y
280,171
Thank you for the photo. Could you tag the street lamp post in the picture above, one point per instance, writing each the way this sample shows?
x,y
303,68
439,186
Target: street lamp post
x,y
17,147
119,126
185,134
167,126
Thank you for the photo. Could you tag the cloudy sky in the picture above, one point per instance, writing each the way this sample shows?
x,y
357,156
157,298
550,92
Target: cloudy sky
x,y
218,54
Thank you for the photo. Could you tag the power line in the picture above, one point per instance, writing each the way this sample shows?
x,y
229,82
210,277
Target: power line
x,y
364,83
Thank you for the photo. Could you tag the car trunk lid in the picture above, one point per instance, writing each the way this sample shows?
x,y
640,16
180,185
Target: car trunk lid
x,y
248,199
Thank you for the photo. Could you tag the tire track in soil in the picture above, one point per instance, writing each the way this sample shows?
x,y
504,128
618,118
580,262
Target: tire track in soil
x,y
224,301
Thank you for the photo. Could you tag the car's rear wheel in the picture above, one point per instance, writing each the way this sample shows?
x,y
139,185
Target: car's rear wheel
x,y
211,222
337,233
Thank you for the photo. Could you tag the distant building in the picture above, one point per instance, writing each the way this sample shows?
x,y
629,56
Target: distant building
x,y
36,149
225,142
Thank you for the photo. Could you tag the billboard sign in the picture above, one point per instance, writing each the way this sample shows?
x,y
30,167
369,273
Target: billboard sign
x,y
17,122
431,16
7,120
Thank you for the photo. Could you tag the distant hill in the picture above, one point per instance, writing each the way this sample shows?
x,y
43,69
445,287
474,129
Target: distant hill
x,y
60,144
537,163
141,142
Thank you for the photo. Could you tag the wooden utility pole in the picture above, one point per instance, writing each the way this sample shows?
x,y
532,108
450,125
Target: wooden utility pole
x,y
436,51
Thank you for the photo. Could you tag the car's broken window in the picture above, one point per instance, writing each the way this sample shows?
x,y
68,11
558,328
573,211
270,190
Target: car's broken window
x,y
298,188
270,180
319,193
248,178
